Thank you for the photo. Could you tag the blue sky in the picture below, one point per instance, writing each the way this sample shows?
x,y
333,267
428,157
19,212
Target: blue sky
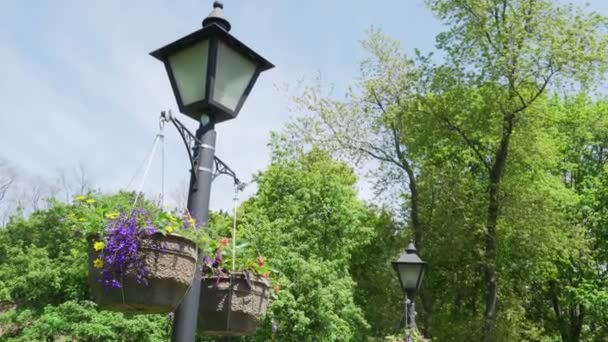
x,y
78,84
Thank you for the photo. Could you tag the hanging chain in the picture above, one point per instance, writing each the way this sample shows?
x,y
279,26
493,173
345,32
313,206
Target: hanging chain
x,y
159,138
143,179
235,205
161,124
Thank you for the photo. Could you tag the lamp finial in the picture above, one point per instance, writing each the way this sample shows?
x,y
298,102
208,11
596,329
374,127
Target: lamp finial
x,y
411,249
217,16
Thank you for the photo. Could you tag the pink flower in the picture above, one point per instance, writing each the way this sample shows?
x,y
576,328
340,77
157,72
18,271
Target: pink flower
x,y
225,241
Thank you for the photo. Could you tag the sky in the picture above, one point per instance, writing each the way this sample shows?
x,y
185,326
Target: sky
x,y
77,84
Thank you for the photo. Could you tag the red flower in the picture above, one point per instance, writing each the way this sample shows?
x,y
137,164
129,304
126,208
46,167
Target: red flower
x,y
225,241
260,261
276,289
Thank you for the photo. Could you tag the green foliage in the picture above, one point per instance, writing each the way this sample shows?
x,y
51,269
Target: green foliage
x,y
377,292
82,321
43,277
498,169
499,175
306,218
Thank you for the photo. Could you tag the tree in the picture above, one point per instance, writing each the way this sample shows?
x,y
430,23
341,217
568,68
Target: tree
x,y
579,292
371,129
6,178
306,219
509,53
370,124
378,293
461,127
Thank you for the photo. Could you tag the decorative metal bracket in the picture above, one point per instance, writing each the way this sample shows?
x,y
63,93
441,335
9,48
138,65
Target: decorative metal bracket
x,y
192,143
222,169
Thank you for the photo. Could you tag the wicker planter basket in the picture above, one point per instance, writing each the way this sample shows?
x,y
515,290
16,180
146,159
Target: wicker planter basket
x,y
169,272
231,308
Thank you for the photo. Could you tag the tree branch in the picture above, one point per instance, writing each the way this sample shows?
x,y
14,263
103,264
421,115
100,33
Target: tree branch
x,y
4,187
539,92
467,141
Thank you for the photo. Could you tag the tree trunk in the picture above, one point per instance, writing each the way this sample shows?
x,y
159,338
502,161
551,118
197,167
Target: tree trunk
x,y
416,225
576,322
490,263
491,280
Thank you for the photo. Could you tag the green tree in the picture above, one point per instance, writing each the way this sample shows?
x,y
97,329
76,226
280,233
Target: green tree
x,y
508,53
578,293
470,126
376,127
307,220
377,292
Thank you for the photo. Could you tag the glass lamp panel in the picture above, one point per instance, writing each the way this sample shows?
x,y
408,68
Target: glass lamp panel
x,y
189,67
232,75
409,275
422,272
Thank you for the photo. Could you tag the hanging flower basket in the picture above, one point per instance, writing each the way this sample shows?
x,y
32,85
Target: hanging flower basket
x,y
155,283
231,305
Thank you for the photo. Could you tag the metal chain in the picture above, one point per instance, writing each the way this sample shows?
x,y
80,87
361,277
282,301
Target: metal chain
x,y
159,137
162,168
235,203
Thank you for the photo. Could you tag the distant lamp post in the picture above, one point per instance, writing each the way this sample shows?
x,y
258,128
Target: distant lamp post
x,y
211,73
410,270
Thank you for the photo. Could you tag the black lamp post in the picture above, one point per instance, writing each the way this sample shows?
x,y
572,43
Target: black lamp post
x,y
211,73
410,270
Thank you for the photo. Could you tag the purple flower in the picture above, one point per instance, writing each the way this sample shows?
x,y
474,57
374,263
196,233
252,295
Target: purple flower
x,y
218,258
207,261
120,255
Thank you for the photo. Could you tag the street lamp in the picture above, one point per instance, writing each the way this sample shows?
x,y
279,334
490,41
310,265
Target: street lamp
x,y
211,74
410,270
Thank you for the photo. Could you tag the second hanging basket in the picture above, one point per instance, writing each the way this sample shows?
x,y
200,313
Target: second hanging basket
x,y
230,306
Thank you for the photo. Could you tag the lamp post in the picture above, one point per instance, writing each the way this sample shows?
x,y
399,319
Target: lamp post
x,y
410,270
211,74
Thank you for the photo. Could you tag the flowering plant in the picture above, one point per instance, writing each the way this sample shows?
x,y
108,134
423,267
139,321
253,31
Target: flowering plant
x,y
223,256
124,236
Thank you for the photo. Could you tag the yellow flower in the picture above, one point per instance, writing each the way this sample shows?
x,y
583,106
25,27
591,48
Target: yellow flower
x,y
90,201
113,215
80,198
191,222
99,245
169,229
98,263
